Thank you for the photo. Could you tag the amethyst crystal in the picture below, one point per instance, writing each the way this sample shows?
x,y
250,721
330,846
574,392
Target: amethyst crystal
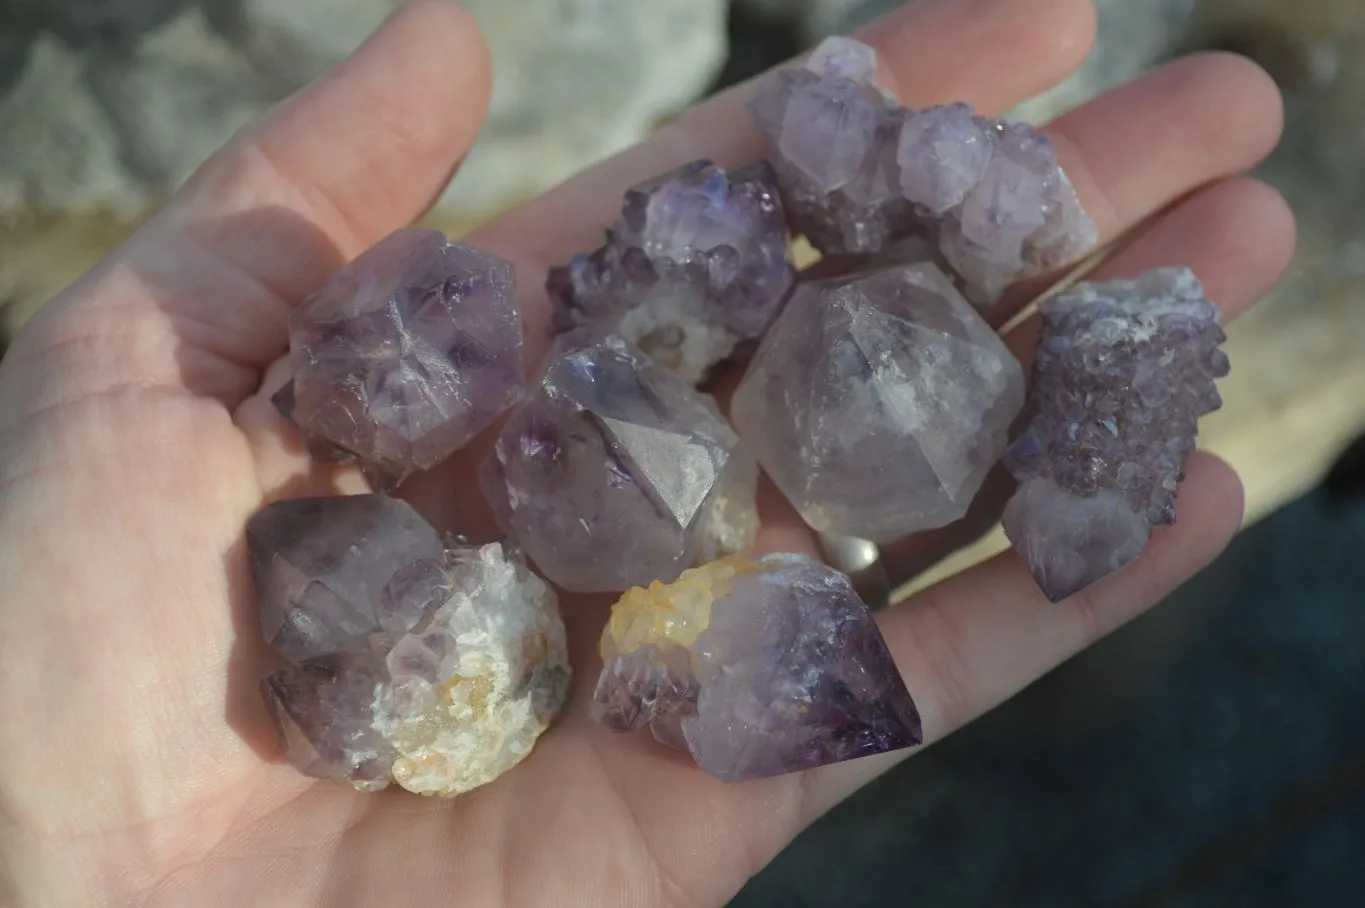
x,y
696,264
405,355
416,659
313,603
615,472
833,135
858,172
756,668
1124,371
878,403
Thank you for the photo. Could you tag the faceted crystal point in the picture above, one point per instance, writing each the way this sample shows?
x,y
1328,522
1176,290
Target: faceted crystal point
x,y
406,354
324,712
696,264
832,134
878,404
434,664
313,602
1124,371
1020,219
858,173
755,667
615,472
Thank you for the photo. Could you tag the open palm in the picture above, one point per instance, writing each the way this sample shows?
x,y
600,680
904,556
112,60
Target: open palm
x,y
137,763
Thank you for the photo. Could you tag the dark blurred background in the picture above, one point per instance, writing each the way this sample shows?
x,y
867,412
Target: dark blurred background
x,y
1213,753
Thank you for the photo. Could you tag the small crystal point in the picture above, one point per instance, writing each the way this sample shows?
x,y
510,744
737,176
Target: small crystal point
x,y
1124,371
416,659
696,265
859,173
406,354
615,472
755,667
878,403
1070,541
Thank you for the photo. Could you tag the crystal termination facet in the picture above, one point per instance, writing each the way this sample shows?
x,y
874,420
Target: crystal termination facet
x,y
615,472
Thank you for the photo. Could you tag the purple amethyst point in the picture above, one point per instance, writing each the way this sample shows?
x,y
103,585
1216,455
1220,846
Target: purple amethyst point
x,y
696,265
755,667
406,354
1124,370
879,403
615,472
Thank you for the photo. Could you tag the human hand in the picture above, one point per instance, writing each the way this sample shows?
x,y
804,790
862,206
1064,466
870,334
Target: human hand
x,y
137,762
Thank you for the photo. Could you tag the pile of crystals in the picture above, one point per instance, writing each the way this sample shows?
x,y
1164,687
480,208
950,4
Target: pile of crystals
x,y
877,400
860,174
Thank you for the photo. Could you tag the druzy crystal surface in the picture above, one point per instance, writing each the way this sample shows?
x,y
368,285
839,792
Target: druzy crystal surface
x,y
615,472
858,172
696,264
1123,373
406,354
878,403
755,667
413,658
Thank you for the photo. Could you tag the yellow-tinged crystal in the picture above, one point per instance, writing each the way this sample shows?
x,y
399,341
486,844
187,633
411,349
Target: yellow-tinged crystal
x,y
468,693
673,613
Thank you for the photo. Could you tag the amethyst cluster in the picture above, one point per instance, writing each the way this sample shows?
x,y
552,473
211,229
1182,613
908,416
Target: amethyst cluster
x,y
859,174
1124,371
696,265
754,667
405,355
413,658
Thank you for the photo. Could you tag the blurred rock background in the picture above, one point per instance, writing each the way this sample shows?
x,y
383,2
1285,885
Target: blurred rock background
x,y
1210,755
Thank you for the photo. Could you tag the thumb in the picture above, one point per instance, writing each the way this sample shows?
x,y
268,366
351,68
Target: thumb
x,y
198,299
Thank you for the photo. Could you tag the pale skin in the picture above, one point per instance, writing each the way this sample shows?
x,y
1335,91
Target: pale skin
x,y
137,763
